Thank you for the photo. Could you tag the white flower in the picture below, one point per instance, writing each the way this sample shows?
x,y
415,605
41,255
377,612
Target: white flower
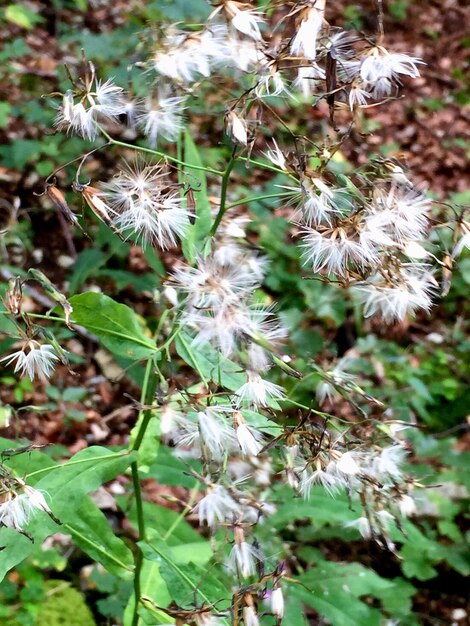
x,y
100,100
270,80
406,506
212,284
187,56
307,77
216,435
347,464
304,42
210,432
381,69
337,376
36,500
251,441
142,201
242,559
243,54
415,250
387,464
357,96
410,290
164,223
221,329
76,118
236,128
329,481
183,58
276,156
340,45
217,507
109,99
14,512
401,213
318,202
335,249
258,391
362,525
227,324
17,510
162,118
464,241
245,21
257,357
277,603
169,420
249,616
34,359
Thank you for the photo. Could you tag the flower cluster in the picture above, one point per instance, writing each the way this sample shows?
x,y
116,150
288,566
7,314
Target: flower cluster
x,y
91,102
219,309
370,241
236,39
144,203
315,457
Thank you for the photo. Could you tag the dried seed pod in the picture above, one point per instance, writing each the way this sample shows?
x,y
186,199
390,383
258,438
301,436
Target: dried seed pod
x,y
57,198
94,198
14,295
236,128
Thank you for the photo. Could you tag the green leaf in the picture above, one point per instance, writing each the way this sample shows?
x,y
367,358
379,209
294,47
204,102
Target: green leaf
x,y
261,422
177,10
209,363
198,232
22,16
334,590
123,279
186,580
90,530
5,109
170,470
320,507
66,487
165,522
416,566
20,152
116,325
85,264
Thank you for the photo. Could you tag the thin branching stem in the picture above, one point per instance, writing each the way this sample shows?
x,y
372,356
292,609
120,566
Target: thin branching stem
x,y
250,199
223,194
148,391
163,155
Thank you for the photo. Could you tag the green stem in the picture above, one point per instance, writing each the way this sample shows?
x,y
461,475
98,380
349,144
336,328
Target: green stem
x,y
146,397
52,318
78,462
249,199
139,557
184,512
265,166
223,195
163,155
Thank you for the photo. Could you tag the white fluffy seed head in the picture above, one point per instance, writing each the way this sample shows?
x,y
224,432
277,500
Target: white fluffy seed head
x,y
34,360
